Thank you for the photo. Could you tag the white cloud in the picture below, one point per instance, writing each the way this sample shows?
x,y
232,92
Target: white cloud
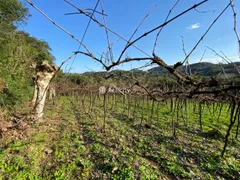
x,y
194,26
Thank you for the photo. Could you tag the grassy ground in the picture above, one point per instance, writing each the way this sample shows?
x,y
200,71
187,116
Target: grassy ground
x,y
72,143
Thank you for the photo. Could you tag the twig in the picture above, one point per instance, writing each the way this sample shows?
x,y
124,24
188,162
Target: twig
x,y
108,48
223,58
160,30
223,70
183,48
93,57
144,66
39,10
226,59
74,54
85,32
185,53
234,65
127,60
164,24
102,25
76,13
203,55
203,11
235,24
106,31
136,30
89,13
204,35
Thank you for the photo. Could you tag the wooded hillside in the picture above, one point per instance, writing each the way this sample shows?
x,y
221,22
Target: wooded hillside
x,y
19,52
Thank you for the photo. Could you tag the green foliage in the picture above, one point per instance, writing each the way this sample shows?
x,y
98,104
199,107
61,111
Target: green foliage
x,y
41,49
119,78
12,11
18,52
78,79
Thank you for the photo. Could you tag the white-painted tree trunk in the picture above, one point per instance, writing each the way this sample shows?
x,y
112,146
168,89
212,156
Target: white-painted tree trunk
x,y
52,92
45,73
34,98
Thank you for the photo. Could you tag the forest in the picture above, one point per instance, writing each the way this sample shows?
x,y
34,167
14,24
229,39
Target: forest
x,y
179,121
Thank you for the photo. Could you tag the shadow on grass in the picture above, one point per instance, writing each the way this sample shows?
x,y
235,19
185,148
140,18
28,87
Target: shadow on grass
x,y
122,117
211,134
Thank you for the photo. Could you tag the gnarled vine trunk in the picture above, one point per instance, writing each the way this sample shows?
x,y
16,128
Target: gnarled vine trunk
x,y
45,73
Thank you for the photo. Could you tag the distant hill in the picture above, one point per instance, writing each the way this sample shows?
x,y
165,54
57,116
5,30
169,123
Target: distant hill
x,y
157,75
203,69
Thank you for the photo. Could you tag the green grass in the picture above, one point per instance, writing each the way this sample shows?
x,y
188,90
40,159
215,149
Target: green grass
x,y
133,145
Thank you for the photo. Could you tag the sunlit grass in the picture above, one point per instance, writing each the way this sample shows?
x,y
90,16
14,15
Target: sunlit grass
x,y
72,144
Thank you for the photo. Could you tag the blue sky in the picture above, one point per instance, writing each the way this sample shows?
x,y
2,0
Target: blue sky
x,y
123,17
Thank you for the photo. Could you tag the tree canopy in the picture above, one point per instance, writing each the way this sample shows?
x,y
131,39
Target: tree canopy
x,y
18,52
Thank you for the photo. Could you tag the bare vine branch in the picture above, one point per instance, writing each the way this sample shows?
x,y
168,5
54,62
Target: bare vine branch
x,y
164,24
137,30
226,59
203,55
235,24
187,62
102,25
88,13
106,31
160,30
209,28
45,15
